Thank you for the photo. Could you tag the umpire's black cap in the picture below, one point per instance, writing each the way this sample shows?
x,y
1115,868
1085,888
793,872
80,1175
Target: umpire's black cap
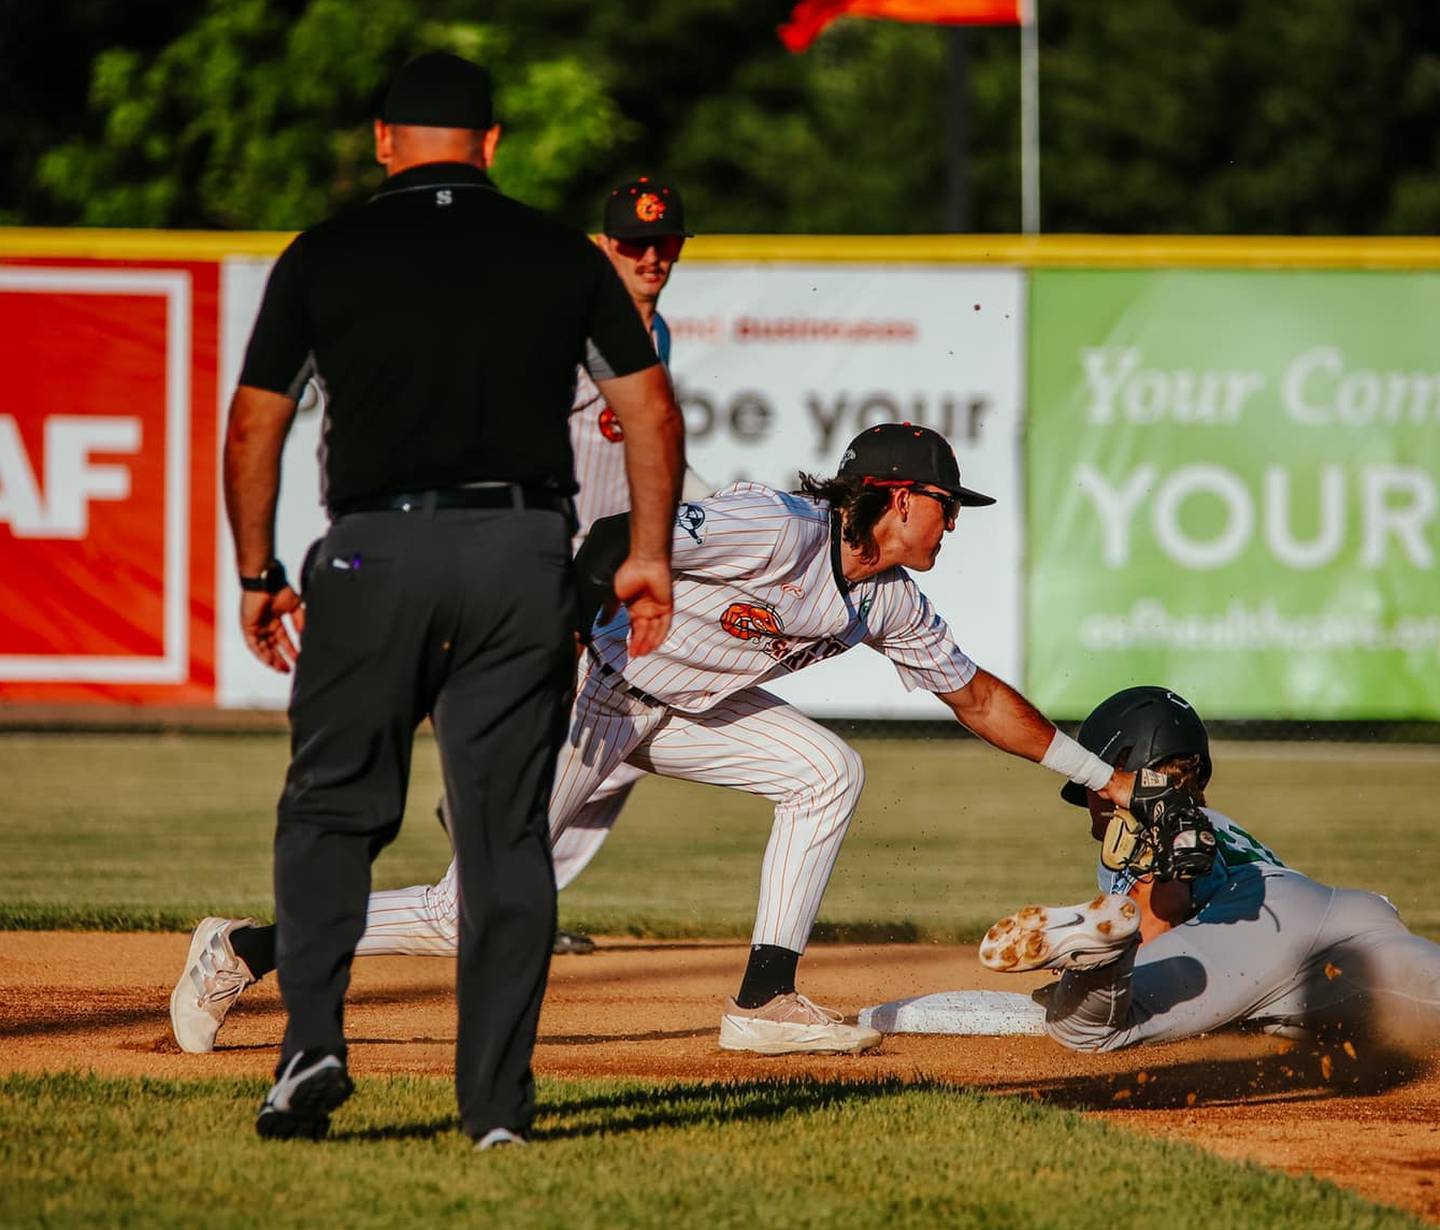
x,y
643,207
901,454
439,90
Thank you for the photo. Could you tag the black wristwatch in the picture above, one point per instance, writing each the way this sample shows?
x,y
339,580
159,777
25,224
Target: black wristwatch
x,y
272,580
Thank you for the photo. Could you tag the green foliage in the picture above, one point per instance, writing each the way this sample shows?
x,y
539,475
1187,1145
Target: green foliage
x,y
1302,117
252,118
82,1150
1216,116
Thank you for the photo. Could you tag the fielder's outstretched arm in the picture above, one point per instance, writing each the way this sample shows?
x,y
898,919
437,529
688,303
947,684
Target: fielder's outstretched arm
x,y
996,712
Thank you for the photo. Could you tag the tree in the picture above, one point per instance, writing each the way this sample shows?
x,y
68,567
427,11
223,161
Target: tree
x,y
1205,116
259,117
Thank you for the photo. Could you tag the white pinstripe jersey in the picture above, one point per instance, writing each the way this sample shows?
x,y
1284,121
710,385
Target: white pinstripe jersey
x,y
759,594
596,439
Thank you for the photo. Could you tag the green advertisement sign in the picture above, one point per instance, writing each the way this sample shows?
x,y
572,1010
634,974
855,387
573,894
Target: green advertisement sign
x,y
1234,490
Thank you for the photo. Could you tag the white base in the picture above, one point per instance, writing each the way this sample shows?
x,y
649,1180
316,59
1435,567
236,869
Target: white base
x,y
958,1012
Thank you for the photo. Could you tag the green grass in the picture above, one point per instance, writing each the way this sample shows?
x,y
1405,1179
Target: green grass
x,y
81,1151
152,831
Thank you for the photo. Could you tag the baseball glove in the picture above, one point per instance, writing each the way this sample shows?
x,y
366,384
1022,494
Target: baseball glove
x,y
1164,834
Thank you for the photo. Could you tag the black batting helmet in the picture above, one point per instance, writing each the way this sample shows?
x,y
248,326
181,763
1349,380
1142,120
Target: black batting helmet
x,y
1137,729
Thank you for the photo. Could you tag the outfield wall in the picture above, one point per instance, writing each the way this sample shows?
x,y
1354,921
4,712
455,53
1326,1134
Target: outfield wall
x,y
1216,460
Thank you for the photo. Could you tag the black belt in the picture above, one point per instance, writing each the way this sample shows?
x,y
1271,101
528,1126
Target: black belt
x,y
618,681
491,495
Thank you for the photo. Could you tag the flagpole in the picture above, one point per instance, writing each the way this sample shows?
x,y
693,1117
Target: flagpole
x,y
1030,116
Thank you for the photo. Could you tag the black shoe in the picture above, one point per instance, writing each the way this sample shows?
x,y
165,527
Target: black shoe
x,y
309,1086
572,942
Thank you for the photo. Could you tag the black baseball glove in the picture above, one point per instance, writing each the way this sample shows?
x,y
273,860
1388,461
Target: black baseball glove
x,y
1164,833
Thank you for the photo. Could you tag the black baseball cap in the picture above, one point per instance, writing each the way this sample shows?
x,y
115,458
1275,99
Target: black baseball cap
x,y
901,455
439,90
644,207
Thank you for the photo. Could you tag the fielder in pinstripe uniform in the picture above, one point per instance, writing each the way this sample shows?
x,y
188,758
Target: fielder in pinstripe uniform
x,y
767,583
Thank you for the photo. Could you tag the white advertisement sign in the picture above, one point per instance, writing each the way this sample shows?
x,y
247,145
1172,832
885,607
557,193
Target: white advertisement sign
x,y
777,367
241,682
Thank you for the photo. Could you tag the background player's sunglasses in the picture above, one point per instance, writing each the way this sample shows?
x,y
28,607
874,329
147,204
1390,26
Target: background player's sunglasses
x,y
667,247
949,504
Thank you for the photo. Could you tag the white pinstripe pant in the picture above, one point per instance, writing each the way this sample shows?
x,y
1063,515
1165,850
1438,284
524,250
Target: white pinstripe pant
x,y
752,741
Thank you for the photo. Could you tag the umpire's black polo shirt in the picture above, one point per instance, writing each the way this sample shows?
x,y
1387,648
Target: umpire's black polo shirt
x,y
445,322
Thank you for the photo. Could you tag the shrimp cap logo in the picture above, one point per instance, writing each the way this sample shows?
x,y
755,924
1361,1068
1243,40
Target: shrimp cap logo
x,y
748,622
610,426
649,207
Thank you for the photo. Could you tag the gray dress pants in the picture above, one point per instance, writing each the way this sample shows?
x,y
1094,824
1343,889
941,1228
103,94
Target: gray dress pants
x,y
467,616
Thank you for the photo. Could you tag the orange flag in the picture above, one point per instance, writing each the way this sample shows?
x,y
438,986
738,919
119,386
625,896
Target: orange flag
x,y
810,17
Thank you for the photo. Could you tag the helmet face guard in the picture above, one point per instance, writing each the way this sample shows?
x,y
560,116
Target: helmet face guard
x,y
1137,729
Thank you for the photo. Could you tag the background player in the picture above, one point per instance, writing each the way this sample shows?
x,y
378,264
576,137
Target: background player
x,y
643,232
768,583
1250,942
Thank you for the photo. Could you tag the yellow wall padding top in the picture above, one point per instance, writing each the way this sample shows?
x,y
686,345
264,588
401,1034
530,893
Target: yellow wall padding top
x,y
1036,252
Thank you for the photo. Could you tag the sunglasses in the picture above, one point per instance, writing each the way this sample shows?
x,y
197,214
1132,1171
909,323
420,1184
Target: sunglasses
x,y
949,504
667,247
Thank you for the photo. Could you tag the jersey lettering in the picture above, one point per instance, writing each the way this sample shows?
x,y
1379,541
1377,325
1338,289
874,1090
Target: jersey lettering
x,y
798,658
1238,847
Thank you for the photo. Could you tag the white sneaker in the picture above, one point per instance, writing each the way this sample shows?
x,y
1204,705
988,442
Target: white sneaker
x,y
789,1024
1070,937
496,1137
211,983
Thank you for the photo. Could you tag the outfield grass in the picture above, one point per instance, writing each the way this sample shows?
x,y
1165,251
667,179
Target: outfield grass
x,y
131,831
82,1151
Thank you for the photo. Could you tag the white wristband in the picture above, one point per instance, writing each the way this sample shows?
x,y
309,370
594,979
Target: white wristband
x,y
1068,758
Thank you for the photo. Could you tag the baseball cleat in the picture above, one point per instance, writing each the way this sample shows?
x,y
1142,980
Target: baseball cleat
x,y
791,1024
572,943
209,986
310,1085
1070,937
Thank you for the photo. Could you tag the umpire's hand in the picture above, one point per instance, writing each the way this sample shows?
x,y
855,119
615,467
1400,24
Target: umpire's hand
x,y
643,585
263,620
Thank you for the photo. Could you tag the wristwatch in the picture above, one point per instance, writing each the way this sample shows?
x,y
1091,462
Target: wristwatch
x,y
272,579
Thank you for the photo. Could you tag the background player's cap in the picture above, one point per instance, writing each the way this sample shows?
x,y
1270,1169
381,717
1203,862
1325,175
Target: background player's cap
x,y
901,454
439,90
644,207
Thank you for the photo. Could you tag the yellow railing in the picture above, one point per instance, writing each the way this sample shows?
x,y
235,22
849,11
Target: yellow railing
x,y
1038,252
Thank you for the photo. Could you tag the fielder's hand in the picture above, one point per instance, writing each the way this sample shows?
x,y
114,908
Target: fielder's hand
x,y
643,585
1118,789
272,624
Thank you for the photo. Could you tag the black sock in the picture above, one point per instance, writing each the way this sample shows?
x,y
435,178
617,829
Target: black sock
x,y
771,972
256,947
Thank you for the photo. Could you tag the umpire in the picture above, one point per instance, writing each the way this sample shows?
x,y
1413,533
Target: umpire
x,y
445,323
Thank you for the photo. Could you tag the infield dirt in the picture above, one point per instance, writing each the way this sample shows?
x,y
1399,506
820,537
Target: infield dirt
x,y
94,1001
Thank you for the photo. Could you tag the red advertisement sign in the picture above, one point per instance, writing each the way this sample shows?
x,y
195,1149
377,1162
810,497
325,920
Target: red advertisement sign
x,y
107,481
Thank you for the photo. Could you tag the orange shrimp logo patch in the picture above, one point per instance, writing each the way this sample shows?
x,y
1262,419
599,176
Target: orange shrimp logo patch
x,y
747,621
610,426
649,207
